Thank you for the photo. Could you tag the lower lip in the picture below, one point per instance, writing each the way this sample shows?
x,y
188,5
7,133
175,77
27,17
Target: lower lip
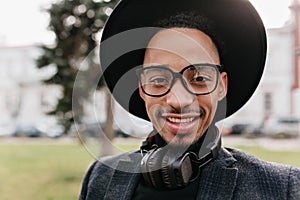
x,y
181,128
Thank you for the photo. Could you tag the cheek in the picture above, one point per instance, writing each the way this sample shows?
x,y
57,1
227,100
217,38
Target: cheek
x,y
154,109
209,104
152,106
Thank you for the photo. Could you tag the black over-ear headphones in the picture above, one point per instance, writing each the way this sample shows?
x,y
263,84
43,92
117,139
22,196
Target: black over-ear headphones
x,y
163,168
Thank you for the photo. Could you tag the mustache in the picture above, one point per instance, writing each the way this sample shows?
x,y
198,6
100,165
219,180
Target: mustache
x,y
186,110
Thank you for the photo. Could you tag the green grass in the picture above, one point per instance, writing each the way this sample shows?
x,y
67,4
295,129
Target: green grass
x,y
55,172
42,172
286,157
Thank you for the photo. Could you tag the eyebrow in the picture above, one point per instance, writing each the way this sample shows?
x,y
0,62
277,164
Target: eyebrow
x,y
158,65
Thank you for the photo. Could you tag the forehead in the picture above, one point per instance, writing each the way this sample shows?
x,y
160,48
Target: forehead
x,y
184,46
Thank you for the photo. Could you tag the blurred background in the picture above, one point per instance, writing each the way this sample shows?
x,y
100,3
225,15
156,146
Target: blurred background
x,y
55,113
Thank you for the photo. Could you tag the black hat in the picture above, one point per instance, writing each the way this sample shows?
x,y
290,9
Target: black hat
x,y
239,35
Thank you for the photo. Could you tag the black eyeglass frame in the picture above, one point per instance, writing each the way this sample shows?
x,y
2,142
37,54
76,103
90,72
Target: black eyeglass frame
x,y
179,75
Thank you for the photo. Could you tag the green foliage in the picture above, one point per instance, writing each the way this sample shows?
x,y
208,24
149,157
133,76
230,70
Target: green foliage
x,y
75,24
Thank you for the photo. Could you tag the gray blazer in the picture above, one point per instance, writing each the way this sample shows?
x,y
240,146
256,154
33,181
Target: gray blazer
x,y
232,175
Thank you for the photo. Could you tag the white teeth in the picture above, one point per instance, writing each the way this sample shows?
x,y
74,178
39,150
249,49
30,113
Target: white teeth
x,y
182,120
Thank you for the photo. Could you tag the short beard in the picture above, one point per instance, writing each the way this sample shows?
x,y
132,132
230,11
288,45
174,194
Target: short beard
x,y
181,142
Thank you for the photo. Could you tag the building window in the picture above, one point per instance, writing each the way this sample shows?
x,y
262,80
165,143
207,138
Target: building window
x,y
45,101
268,103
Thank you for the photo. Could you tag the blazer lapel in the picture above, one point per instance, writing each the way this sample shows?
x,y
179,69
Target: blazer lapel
x,y
125,178
218,179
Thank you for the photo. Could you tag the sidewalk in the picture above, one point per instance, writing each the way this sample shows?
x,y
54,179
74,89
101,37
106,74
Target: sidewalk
x,y
273,144
39,140
227,141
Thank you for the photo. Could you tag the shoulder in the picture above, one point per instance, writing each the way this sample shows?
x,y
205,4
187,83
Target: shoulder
x,y
268,175
107,165
93,186
251,162
102,170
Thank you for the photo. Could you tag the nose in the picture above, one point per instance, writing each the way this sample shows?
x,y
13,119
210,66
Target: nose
x,y
179,97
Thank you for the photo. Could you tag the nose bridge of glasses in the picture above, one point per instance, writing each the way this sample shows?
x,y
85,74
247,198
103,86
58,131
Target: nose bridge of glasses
x,y
179,95
179,75
179,85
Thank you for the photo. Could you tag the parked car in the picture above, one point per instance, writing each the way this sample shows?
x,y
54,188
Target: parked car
x,y
51,130
27,131
247,129
237,129
282,127
95,130
40,130
252,130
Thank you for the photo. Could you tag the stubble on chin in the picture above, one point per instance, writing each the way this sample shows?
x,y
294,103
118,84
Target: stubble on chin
x,y
181,141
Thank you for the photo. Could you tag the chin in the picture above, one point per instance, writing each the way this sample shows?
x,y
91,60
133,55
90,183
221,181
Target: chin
x,y
182,141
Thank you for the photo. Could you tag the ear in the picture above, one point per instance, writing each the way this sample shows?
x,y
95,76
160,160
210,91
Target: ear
x,y
223,86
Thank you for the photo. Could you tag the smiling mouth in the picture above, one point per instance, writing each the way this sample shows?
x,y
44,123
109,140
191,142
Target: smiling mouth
x,y
181,124
180,120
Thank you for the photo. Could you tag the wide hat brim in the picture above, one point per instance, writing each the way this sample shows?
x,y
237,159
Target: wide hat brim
x,y
130,27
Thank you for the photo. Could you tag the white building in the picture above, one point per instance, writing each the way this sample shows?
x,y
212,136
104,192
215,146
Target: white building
x,y
278,93
24,98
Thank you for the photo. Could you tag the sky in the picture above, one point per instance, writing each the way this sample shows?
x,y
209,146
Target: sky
x,y
24,23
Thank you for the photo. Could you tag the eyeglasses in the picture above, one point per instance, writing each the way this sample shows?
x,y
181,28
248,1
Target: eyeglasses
x,y
198,79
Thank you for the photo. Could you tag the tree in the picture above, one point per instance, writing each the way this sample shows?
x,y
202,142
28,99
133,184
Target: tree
x,y
75,24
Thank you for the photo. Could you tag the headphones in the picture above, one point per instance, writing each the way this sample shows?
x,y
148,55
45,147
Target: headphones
x,y
167,168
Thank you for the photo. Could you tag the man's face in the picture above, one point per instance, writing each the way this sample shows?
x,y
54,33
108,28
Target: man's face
x,y
181,117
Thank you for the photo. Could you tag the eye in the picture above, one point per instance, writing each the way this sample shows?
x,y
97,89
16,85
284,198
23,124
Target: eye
x,y
200,80
159,81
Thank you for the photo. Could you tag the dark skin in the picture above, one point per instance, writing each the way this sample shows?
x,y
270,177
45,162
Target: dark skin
x,y
181,117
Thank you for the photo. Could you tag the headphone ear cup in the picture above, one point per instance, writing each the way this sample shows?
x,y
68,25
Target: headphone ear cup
x,y
151,166
165,171
176,173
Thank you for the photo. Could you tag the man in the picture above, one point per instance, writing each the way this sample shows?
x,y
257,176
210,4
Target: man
x,y
199,62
